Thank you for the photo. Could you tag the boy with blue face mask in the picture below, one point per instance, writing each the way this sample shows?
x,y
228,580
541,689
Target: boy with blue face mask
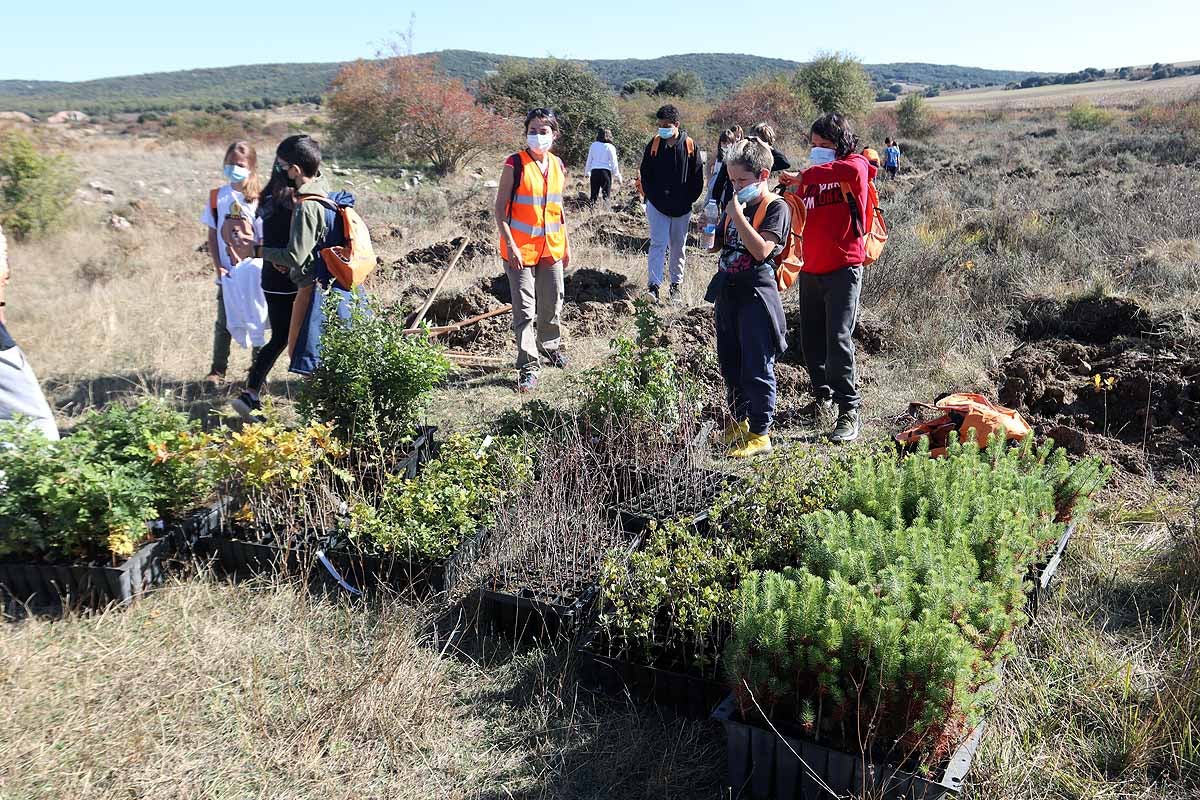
x,y
750,326
671,178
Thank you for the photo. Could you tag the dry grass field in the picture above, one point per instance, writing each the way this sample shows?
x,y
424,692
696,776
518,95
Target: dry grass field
x,y
1010,247
1114,93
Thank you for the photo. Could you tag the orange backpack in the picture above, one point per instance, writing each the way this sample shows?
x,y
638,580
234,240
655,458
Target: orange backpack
x,y
791,260
875,235
691,150
352,261
972,416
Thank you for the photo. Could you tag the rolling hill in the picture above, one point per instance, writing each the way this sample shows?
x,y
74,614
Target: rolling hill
x,y
264,85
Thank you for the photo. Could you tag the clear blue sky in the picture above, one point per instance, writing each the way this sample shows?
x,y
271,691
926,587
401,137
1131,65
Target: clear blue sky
x,y
77,40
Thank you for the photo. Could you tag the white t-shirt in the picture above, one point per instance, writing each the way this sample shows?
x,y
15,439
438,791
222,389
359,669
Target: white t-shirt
x,y
602,155
230,202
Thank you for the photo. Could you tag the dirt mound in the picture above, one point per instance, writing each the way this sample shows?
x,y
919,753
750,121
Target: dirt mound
x,y
1092,320
490,334
1136,398
594,318
623,231
439,255
871,334
596,285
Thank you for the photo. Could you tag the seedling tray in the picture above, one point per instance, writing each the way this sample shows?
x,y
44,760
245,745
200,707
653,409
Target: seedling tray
x,y
54,587
767,766
1043,575
690,696
253,553
524,617
366,572
663,501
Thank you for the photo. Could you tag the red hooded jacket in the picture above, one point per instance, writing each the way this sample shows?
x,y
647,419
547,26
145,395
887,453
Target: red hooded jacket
x,y
830,239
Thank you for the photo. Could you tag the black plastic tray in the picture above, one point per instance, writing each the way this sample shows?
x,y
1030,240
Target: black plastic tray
x,y
767,766
54,587
364,572
636,513
524,617
690,696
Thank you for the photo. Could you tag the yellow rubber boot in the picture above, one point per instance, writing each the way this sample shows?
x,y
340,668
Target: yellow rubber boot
x,y
756,444
736,433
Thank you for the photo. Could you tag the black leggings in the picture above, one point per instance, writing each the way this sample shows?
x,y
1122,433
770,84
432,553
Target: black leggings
x,y
601,182
279,312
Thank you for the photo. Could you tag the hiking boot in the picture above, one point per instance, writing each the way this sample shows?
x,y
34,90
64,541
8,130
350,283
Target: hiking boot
x,y
736,433
652,289
248,407
817,412
214,379
676,293
527,383
756,444
558,358
845,430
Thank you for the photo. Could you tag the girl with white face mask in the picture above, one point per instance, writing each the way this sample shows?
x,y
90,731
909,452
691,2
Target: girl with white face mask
x,y
229,215
533,245
835,191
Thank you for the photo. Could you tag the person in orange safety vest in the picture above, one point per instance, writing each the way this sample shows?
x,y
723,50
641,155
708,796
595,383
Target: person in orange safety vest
x,y
533,245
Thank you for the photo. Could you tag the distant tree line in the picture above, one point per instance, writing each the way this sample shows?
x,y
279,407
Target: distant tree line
x,y
1155,72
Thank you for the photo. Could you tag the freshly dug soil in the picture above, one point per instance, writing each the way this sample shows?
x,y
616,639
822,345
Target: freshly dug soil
x,y
438,255
624,231
588,285
1146,409
490,334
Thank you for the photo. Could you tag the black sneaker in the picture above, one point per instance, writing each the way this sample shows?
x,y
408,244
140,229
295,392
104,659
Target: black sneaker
x,y
676,294
818,412
845,430
248,407
558,358
653,290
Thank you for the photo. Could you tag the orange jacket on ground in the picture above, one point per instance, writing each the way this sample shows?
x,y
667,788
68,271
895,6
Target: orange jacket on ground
x,y
535,213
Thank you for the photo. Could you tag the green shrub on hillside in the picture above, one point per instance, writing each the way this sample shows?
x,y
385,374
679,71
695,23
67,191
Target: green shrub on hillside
x,y
35,187
1088,117
638,381
581,100
913,117
838,83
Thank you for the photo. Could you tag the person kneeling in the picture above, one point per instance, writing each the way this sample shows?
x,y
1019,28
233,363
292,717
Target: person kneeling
x,y
750,326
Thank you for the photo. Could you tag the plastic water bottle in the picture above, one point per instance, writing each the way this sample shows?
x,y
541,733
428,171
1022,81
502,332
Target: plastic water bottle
x,y
711,215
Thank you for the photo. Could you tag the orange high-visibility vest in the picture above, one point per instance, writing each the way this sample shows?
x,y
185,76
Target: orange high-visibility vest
x,y
535,213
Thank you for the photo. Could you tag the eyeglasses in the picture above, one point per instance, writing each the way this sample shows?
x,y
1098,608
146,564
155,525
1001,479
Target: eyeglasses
x,y
545,113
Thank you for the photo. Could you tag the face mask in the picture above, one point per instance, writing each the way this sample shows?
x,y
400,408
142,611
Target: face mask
x,y
235,173
822,155
540,142
747,194
666,133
